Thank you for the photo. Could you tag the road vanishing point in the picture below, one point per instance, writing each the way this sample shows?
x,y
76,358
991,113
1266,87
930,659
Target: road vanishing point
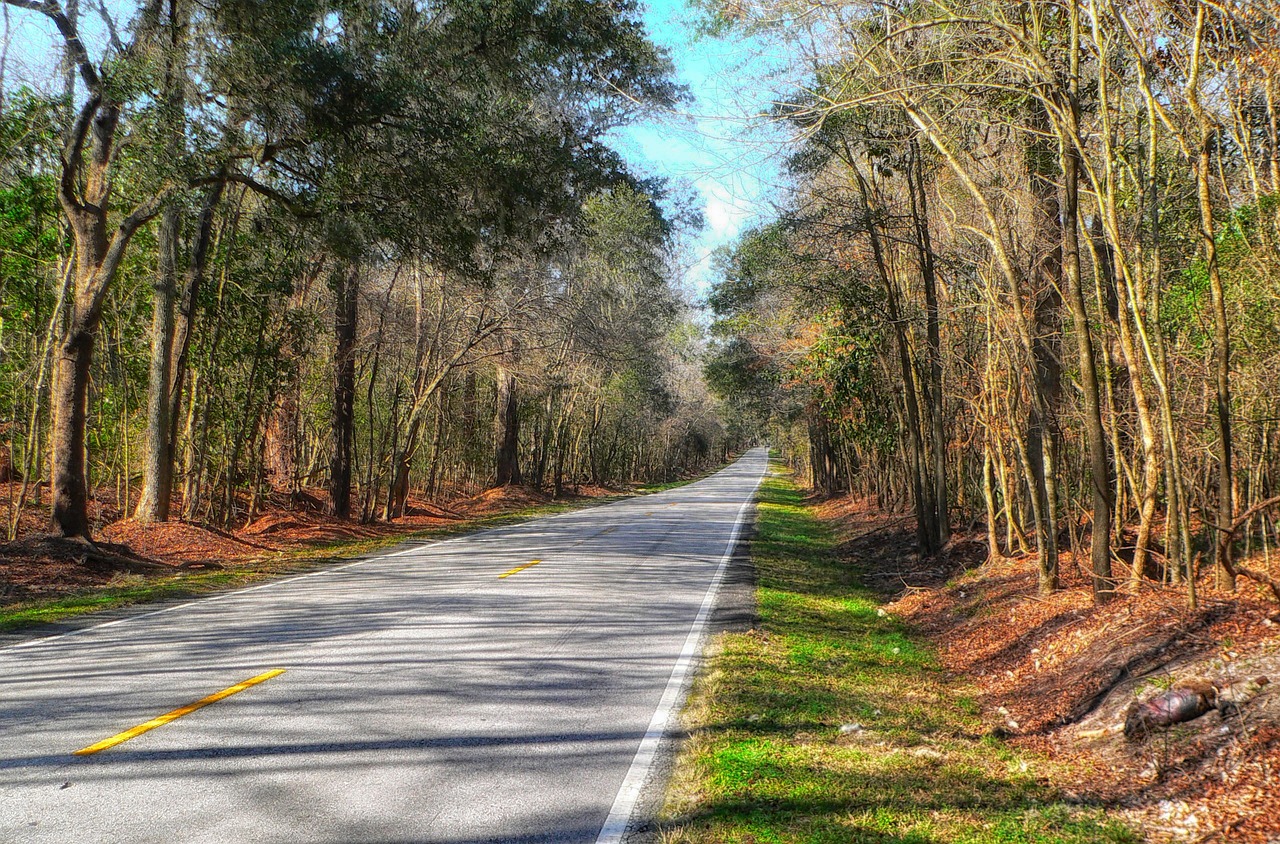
x,y
508,686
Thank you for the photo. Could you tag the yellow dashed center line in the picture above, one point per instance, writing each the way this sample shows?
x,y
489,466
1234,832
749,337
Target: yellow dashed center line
x,y
118,738
519,569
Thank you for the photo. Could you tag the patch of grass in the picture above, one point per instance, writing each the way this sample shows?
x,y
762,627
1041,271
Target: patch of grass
x,y
832,722
128,590
51,610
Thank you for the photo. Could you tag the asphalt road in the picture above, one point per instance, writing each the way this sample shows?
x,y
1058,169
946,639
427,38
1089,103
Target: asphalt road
x,y
424,697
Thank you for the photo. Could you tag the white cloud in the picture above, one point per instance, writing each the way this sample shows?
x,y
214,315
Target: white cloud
x,y
724,216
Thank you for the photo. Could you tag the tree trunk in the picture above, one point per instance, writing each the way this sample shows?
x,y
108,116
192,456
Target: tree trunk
x,y
826,477
69,483
401,463
1221,331
1222,379
507,428
281,441
345,288
926,531
546,438
562,442
1099,457
937,415
1042,436
437,437
97,259
989,498
157,473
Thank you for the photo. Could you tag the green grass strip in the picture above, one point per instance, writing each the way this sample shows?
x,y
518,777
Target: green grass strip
x,y
768,760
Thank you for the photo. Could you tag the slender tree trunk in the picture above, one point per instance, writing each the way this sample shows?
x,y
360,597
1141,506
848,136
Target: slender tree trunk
x,y
593,454
437,437
562,442
1222,382
926,531
989,498
371,477
1042,435
507,428
1099,458
937,416
346,306
157,479
157,474
1221,330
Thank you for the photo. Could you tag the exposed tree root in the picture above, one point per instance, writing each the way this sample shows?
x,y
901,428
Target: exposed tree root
x,y
89,553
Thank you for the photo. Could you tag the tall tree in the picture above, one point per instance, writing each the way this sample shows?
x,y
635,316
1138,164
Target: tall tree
x,y
89,164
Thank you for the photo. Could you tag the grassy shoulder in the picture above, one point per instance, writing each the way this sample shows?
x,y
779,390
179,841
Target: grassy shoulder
x,y
126,590
831,722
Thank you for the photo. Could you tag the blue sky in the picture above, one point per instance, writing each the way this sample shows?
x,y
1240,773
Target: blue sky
x,y
717,143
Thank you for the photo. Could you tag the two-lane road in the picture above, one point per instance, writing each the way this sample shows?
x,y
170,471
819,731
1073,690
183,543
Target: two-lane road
x,y
425,697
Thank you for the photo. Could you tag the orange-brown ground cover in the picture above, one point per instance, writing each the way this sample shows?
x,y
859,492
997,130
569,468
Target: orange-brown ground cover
x,y
1057,673
33,567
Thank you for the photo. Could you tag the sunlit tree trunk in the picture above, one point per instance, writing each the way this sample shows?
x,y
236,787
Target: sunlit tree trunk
x,y
157,471
1100,471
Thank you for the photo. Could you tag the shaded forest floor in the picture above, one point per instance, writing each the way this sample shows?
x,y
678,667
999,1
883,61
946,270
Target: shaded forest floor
x,y
42,580
1055,676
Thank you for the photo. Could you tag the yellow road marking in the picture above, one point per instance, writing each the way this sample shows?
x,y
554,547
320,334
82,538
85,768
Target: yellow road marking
x,y
118,738
519,569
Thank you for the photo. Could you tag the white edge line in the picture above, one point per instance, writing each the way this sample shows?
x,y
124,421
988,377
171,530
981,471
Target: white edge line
x,y
619,819
422,545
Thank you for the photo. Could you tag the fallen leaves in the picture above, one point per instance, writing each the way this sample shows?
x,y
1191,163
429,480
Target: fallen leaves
x,y
1055,672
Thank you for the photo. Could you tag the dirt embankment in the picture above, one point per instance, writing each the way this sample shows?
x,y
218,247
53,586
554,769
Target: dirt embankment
x,y
1058,674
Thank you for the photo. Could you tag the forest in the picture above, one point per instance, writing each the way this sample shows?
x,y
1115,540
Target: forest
x,y
334,253
1024,276
1026,279
283,284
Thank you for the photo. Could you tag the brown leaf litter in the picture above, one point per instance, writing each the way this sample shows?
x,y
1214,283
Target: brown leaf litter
x,y
1057,674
